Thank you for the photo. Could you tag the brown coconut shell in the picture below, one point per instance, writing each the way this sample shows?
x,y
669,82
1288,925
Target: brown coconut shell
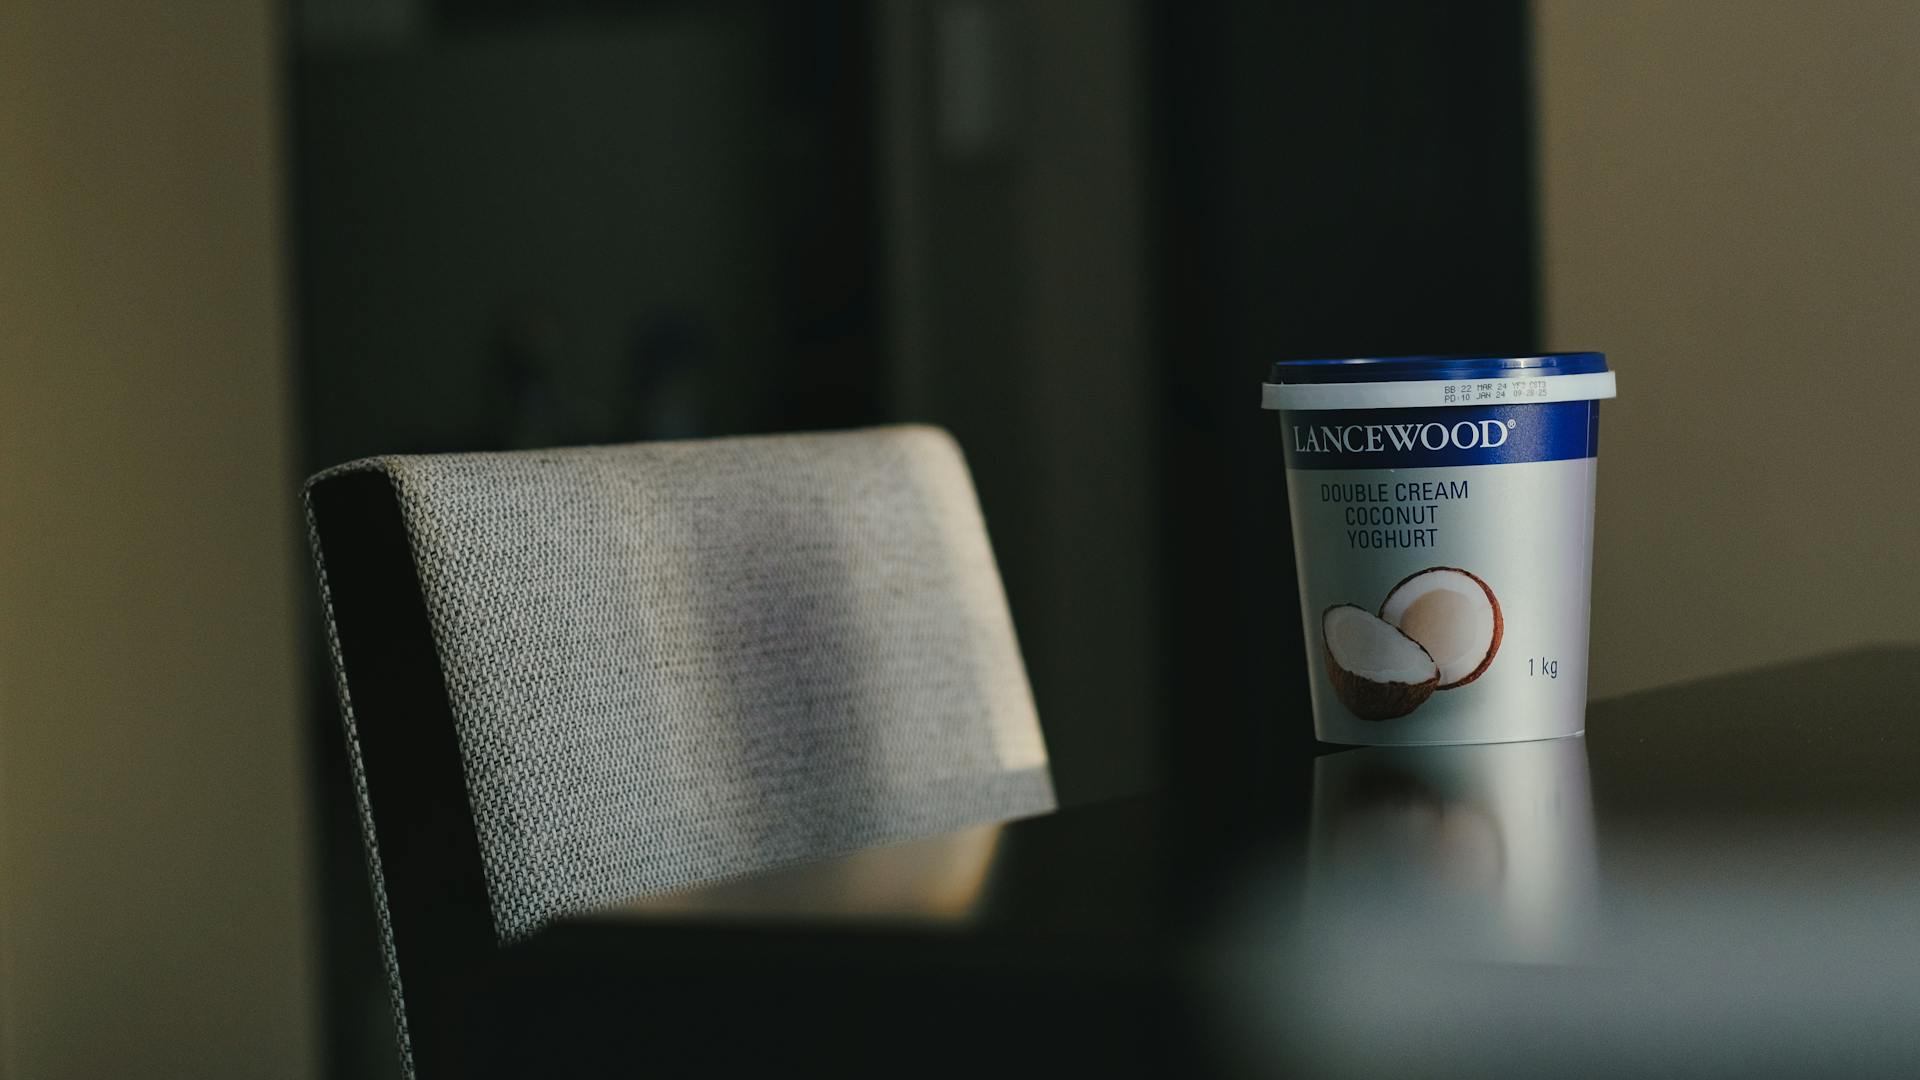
x,y
1499,620
1371,700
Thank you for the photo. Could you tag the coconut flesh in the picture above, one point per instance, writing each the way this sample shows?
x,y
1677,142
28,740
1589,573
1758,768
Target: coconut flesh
x,y
1454,615
1377,671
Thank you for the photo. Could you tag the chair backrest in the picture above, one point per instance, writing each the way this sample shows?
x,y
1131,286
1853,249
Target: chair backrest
x,y
572,677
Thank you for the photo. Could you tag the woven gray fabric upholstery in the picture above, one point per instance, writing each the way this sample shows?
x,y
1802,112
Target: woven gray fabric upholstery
x,y
671,663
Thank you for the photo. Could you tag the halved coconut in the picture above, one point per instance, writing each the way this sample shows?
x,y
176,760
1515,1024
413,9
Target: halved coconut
x,y
1454,615
1376,671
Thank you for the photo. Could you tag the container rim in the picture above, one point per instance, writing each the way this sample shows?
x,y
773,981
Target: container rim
x,y
1367,369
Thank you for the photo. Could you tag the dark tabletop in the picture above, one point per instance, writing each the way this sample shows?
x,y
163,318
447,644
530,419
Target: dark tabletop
x,y
1720,878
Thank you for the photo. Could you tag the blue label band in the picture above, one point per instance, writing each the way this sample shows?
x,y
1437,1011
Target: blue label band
x,y
1431,438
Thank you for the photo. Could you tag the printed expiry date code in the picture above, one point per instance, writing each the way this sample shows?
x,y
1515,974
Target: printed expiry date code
x,y
1497,390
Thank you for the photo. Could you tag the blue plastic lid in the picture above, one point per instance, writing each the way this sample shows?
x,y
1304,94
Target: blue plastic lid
x,y
1415,368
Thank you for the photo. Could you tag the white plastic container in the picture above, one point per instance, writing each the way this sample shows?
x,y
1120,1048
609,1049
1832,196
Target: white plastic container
x,y
1443,534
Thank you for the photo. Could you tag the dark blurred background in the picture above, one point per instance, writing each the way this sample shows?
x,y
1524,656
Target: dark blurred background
x,y
1071,232
243,241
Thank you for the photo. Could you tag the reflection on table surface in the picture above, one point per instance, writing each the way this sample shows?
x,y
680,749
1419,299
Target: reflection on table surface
x,y
1719,878
1486,851
938,879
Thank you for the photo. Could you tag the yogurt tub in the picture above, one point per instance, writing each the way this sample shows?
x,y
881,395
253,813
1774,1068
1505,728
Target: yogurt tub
x,y
1443,534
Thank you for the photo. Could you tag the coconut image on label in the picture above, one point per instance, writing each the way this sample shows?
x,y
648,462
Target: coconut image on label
x,y
1438,629
1376,670
1454,615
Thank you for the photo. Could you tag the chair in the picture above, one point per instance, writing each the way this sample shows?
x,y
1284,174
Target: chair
x,y
573,677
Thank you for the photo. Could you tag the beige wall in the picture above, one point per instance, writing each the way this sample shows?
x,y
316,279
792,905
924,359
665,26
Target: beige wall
x,y
152,838
1731,208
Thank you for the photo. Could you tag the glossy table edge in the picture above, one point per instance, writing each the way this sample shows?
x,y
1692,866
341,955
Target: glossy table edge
x,y
1744,741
